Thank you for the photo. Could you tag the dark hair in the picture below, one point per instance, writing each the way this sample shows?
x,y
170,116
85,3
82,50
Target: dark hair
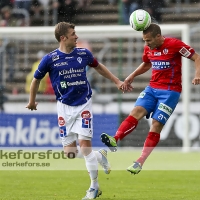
x,y
154,29
62,29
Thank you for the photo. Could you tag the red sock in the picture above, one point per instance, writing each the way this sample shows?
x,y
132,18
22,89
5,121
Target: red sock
x,y
149,144
126,127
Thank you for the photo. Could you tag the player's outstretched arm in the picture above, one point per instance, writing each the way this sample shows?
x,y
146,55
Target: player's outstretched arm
x,y
144,67
32,105
101,69
196,59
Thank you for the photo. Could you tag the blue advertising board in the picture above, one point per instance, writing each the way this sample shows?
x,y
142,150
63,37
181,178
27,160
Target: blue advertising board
x,y
41,130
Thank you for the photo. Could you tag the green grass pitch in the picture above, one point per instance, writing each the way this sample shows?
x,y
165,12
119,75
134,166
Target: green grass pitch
x,y
157,181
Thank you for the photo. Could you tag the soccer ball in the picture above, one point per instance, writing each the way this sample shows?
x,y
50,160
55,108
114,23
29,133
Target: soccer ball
x,y
140,20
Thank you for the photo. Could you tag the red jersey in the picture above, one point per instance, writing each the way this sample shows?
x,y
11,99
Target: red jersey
x,y
166,63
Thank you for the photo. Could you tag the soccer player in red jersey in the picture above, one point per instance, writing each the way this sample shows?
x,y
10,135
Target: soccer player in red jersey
x,y
159,99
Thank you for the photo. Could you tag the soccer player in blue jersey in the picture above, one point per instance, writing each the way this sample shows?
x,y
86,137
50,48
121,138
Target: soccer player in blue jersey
x,y
67,71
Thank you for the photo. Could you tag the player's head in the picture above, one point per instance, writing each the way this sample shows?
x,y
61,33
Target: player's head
x,y
64,29
152,36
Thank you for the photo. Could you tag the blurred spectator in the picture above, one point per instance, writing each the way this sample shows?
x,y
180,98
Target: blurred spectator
x,y
45,85
153,7
7,18
48,88
4,3
23,4
36,13
1,62
1,99
66,10
128,6
83,5
112,2
30,75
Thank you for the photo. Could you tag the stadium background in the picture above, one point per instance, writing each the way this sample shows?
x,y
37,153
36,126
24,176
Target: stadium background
x,y
120,55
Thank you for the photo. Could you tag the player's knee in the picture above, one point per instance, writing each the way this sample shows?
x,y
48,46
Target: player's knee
x,y
156,126
139,112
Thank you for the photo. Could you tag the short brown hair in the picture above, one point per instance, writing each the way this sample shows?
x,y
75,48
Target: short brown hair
x,y
61,29
154,29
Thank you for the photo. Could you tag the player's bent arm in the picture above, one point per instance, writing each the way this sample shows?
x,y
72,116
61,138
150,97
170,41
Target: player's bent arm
x,y
144,67
196,59
101,69
32,105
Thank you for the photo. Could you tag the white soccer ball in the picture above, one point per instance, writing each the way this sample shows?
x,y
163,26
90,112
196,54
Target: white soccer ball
x,y
140,20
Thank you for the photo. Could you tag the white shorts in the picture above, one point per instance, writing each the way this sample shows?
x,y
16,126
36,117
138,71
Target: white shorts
x,y
75,122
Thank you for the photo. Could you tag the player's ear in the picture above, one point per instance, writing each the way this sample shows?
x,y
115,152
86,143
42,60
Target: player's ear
x,y
62,37
158,36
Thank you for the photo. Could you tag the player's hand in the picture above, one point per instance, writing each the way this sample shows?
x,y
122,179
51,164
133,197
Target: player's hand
x,y
126,86
32,106
119,84
196,81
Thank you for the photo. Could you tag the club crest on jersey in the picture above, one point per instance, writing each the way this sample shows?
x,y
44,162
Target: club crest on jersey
x,y
61,121
55,57
79,59
86,114
165,51
184,52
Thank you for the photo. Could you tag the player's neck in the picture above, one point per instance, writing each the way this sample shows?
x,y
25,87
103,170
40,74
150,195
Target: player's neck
x,y
161,42
65,49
